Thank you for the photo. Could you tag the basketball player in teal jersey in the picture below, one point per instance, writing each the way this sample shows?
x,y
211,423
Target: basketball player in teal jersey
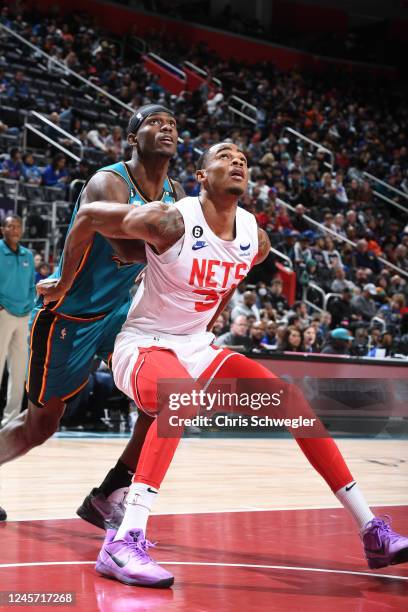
x,y
66,335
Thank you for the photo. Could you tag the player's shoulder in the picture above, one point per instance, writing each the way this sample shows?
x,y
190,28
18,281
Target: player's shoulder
x,y
105,176
178,190
106,185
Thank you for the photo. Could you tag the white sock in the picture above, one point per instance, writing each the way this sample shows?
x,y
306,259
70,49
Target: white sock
x,y
353,500
139,502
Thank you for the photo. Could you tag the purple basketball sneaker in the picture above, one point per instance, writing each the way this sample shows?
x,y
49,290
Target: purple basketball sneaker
x,y
127,560
382,546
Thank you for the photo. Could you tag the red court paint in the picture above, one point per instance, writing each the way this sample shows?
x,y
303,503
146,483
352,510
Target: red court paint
x,y
299,544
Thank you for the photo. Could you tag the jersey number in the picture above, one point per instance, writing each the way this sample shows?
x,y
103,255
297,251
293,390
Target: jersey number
x,y
211,299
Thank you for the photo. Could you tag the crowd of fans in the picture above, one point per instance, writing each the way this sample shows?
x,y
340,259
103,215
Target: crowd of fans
x,y
364,124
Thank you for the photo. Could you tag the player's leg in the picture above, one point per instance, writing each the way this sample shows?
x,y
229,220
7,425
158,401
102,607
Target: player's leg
x,y
104,505
36,424
382,546
129,541
106,500
16,363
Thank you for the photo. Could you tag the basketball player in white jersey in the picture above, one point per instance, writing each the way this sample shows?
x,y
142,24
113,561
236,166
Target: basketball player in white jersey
x,y
197,251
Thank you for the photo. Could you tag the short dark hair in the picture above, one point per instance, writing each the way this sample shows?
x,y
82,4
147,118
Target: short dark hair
x,y
202,160
11,216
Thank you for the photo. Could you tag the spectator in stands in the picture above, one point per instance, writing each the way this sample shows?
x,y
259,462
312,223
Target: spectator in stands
x,y
12,168
384,347
18,89
364,304
55,174
237,337
38,260
31,172
98,137
9,131
310,340
292,340
219,326
269,338
248,307
392,312
17,293
43,272
340,281
4,82
116,144
339,342
359,346
341,308
256,334
401,257
278,301
300,311
302,252
185,147
325,323
363,258
331,255
299,222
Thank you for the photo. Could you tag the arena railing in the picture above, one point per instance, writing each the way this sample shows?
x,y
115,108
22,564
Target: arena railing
x,y
170,67
57,128
337,237
252,111
202,73
285,258
49,58
319,290
87,82
243,105
312,143
328,297
374,179
370,177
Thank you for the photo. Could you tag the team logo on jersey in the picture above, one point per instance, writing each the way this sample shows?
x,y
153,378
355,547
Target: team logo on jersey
x,y
197,231
200,244
132,193
63,334
244,247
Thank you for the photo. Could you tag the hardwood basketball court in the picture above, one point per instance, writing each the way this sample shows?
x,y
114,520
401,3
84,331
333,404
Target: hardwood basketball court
x,y
242,523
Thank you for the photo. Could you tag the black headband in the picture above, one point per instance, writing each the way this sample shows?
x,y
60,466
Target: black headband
x,y
144,112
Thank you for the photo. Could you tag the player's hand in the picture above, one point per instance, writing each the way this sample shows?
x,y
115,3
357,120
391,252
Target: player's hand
x,y
51,289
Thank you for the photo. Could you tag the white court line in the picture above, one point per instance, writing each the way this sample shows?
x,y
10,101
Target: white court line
x,y
233,510
204,564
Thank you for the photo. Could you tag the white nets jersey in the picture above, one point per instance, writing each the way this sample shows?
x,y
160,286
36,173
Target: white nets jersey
x,y
184,286
181,292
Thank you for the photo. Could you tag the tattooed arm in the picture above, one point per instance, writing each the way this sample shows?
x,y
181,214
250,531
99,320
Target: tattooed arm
x,y
158,224
264,247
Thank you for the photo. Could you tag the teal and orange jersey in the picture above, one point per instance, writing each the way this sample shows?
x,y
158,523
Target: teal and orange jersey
x,y
102,283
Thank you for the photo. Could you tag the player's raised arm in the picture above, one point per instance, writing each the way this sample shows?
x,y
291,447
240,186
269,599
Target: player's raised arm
x,y
158,224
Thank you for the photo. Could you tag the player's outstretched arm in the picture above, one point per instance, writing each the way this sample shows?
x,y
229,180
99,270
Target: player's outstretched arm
x,y
158,224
